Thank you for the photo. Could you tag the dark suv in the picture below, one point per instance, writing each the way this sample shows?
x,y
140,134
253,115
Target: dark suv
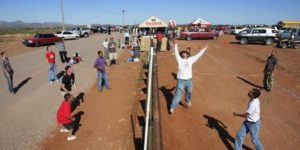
x,y
284,37
41,39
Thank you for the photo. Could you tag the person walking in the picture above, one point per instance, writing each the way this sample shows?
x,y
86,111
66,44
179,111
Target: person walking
x,y
7,71
159,37
62,50
184,76
112,48
268,71
64,116
68,81
50,56
251,123
100,64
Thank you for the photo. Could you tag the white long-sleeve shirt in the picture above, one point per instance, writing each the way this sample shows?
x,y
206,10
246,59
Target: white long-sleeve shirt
x,y
185,66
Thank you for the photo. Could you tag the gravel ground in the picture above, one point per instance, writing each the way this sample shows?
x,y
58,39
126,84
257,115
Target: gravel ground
x,y
28,116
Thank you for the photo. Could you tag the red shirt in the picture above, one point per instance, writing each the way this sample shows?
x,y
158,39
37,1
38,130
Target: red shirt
x,y
50,56
63,112
159,36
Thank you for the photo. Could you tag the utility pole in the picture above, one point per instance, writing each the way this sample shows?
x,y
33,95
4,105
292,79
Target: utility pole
x,y
123,17
62,14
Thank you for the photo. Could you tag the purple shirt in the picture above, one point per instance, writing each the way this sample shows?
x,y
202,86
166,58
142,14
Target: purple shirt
x,y
100,64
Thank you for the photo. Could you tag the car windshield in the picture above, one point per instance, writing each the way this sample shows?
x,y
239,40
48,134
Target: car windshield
x,y
246,31
287,30
38,35
58,32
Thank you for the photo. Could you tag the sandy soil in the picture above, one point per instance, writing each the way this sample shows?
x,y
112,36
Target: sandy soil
x,y
222,79
12,44
105,121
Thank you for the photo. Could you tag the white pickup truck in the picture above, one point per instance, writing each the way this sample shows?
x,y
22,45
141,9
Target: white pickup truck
x,y
82,32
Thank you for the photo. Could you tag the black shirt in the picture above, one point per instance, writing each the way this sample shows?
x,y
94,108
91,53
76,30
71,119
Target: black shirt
x,y
271,62
68,81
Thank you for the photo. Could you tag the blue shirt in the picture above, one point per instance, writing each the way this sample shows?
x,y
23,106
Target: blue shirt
x,y
100,64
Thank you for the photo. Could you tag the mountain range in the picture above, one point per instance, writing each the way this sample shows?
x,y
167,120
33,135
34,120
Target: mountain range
x,y
21,24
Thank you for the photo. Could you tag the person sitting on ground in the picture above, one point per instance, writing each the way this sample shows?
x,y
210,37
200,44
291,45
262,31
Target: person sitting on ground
x,y
135,52
64,116
76,59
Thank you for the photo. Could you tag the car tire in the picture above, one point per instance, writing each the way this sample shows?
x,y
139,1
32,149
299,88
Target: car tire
x,y
77,37
214,37
85,35
188,38
284,45
244,41
269,41
37,44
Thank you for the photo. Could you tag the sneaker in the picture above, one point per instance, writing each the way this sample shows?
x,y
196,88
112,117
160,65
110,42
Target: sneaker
x,y
64,130
189,104
51,82
57,80
71,138
172,110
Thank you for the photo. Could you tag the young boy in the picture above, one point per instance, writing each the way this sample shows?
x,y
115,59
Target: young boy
x,y
65,118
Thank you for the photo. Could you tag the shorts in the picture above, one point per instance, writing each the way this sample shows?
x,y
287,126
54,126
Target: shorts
x,y
69,126
113,56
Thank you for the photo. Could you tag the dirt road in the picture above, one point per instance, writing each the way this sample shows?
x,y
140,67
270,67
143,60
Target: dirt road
x,y
28,116
222,79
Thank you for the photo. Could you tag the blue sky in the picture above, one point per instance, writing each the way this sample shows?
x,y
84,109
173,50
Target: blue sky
x,y
183,11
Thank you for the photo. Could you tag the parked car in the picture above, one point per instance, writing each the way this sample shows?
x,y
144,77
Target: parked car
x,y
82,32
41,39
199,35
265,35
284,37
236,29
66,35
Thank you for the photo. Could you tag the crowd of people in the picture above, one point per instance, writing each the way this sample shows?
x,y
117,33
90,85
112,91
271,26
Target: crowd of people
x,y
108,56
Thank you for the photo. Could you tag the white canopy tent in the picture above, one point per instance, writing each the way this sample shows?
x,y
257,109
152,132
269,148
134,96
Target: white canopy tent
x,y
201,22
153,22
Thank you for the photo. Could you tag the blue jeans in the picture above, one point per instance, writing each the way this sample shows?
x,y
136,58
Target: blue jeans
x,y
102,75
52,72
186,85
10,83
253,128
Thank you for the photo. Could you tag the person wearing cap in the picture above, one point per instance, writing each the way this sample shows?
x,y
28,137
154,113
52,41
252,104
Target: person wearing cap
x,y
184,76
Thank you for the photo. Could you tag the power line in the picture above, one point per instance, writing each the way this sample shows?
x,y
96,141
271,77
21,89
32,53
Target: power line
x,y
99,8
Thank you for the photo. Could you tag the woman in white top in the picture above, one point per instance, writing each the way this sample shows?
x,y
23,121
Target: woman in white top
x,y
184,76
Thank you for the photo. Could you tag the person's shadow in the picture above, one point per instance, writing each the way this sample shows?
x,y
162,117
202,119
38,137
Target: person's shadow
x,y
250,83
21,84
77,121
226,138
76,101
168,95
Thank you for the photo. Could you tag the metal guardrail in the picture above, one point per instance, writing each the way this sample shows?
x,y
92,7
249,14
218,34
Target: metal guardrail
x,y
153,134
